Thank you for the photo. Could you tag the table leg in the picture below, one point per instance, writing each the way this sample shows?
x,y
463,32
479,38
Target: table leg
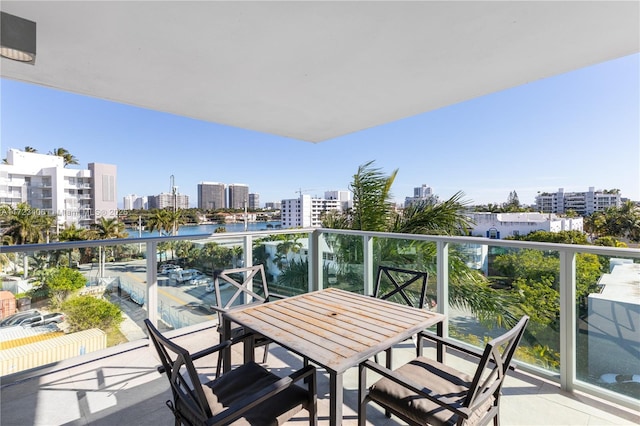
x,y
249,349
440,349
336,395
226,353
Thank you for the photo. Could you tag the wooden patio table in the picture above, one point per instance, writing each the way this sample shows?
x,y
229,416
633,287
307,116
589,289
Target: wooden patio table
x,y
333,328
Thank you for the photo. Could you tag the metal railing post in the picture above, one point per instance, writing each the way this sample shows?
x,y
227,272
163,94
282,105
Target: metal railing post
x,y
315,265
367,244
442,292
152,282
567,319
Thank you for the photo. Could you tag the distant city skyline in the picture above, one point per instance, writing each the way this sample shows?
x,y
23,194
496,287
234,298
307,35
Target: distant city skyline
x,y
573,131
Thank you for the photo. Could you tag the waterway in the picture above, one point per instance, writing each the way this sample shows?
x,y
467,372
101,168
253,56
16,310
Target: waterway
x,y
208,229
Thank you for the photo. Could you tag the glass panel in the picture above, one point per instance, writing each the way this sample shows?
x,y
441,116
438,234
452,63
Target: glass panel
x,y
185,277
608,320
286,261
410,255
491,287
343,262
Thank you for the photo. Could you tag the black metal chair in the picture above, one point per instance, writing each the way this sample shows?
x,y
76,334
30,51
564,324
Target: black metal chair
x,y
404,286
248,394
427,392
242,281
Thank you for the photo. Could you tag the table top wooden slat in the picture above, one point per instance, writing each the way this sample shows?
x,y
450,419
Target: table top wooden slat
x,y
334,328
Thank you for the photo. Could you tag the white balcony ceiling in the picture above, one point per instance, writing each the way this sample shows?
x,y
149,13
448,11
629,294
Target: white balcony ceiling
x,y
313,70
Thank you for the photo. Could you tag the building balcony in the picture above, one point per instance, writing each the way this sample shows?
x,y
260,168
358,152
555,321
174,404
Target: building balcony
x,y
125,388
595,338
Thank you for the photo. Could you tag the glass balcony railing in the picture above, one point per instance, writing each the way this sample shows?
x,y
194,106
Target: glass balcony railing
x,y
582,300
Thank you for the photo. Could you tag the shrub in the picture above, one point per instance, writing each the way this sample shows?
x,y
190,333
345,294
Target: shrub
x,y
85,312
62,282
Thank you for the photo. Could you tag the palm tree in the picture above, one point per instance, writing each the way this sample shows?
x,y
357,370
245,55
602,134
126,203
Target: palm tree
x,y
373,211
24,226
107,229
30,149
66,155
160,220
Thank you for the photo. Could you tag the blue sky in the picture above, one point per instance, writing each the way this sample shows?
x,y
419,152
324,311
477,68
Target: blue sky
x,y
571,131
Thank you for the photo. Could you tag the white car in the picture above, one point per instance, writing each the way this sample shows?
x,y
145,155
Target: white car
x,y
168,267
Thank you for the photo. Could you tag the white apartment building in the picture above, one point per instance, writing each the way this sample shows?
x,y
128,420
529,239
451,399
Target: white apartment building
x,y
501,225
583,203
343,196
75,196
306,212
165,200
134,202
420,193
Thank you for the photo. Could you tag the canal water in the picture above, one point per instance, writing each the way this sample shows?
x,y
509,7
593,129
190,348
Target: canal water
x,y
208,229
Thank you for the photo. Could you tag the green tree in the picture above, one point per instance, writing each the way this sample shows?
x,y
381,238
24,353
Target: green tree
x,y
622,222
72,233
513,203
86,312
160,220
106,229
30,149
296,275
24,225
372,206
62,282
66,156
561,237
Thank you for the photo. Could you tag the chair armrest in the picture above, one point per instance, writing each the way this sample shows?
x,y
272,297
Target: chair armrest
x,y
452,344
219,310
277,296
239,408
213,349
419,389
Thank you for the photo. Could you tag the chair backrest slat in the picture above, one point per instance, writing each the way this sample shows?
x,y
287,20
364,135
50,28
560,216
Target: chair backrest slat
x,y
401,283
499,352
242,289
182,374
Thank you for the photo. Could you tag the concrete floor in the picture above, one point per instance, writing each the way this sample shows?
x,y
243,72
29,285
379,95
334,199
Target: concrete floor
x,y
125,389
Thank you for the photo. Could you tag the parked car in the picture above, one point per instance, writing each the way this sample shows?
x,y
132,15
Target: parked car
x,y
184,276
12,320
168,267
38,320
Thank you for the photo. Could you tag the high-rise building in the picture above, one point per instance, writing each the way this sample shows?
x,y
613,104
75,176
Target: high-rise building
x,y
238,196
306,212
211,196
167,201
74,196
254,201
582,203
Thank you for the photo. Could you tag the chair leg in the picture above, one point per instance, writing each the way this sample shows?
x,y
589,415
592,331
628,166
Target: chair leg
x,y
313,389
266,352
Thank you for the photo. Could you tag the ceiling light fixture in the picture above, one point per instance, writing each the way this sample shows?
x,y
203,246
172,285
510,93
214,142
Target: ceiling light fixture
x,y
17,38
